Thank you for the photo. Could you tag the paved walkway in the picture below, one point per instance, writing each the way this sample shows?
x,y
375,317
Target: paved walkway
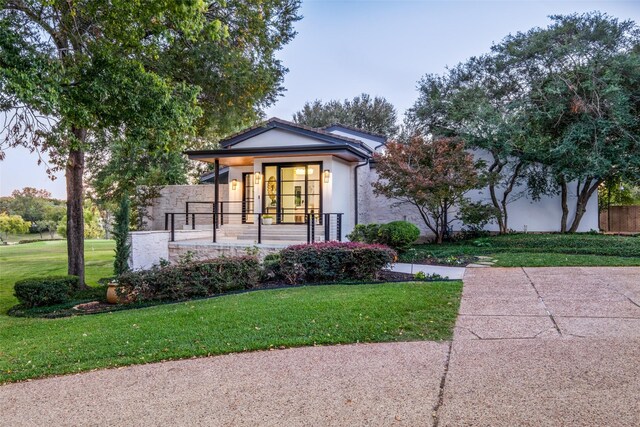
x,y
532,347
454,273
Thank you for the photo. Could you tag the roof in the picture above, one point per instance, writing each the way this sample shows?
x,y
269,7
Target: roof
x,y
345,151
356,131
276,123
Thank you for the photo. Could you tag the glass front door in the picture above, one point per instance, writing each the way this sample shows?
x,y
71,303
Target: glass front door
x,y
247,198
292,190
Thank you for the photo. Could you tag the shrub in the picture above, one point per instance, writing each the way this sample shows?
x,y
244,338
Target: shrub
x,y
476,215
45,291
367,233
398,234
271,267
334,261
192,279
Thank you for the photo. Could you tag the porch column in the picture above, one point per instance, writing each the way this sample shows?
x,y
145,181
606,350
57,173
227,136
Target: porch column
x,y
216,192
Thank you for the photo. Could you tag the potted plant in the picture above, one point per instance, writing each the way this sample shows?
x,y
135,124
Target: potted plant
x,y
267,219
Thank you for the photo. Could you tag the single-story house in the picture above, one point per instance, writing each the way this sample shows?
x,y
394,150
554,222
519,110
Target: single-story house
x,y
279,182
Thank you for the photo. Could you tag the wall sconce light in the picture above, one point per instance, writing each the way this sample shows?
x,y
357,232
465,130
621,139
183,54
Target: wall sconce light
x,y
327,175
258,177
234,184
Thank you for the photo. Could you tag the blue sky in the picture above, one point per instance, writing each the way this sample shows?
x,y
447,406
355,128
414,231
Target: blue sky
x,y
344,48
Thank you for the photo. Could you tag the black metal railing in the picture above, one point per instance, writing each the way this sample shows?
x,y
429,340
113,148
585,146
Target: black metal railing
x,y
324,226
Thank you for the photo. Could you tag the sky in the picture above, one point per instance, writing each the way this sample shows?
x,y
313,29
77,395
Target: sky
x,y
384,47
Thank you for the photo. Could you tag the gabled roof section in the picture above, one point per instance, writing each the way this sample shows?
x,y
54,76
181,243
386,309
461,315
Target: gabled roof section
x,y
276,123
356,132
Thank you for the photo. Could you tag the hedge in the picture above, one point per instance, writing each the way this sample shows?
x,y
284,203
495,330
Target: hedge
x,y
334,261
43,291
192,279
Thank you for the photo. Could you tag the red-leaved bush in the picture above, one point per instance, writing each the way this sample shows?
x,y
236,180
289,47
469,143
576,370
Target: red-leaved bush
x,y
334,261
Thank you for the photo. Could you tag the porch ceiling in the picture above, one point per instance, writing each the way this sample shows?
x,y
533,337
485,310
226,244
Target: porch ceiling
x,y
246,156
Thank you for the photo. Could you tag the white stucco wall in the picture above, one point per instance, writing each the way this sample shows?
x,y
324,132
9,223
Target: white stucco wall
x,y
524,214
277,138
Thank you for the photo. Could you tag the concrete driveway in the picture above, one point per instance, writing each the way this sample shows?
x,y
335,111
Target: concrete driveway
x,y
532,347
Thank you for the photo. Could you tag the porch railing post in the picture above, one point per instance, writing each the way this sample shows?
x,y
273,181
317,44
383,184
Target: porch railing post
x,y
173,227
339,227
327,227
193,221
166,221
187,212
308,228
221,213
313,228
214,227
259,228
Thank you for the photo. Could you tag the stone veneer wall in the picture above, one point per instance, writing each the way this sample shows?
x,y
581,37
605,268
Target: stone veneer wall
x,y
173,198
380,210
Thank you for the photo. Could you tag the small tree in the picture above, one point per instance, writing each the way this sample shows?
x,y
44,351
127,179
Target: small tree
x,y
120,234
12,224
431,175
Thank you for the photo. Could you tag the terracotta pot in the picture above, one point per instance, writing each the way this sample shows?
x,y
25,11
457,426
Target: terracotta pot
x,y
267,221
112,294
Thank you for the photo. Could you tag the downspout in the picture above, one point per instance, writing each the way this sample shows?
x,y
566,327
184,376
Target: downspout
x,y
355,180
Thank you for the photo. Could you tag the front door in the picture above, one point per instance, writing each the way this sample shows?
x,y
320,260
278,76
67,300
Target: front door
x,y
247,198
292,190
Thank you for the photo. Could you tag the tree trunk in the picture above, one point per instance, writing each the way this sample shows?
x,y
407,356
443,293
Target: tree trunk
x,y
496,167
584,195
565,208
75,215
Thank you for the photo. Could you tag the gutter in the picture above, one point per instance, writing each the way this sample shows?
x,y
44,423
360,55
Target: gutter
x,y
356,188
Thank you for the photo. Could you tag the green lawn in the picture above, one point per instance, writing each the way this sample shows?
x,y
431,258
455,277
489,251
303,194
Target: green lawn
x,y
47,258
291,317
31,348
539,250
14,238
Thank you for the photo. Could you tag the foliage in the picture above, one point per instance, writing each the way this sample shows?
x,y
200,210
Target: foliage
x,y
192,279
138,75
614,192
581,109
375,115
45,291
92,222
420,275
398,234
334,261
432,175
476,215
121,236
477,101
12,224
35,206
367,233
271,268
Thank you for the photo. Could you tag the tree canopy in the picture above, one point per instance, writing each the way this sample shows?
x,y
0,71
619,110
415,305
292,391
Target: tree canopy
x,y
122,80
376,115
561,102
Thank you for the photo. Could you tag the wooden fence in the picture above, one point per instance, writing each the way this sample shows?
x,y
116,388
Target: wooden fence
x,y
620,218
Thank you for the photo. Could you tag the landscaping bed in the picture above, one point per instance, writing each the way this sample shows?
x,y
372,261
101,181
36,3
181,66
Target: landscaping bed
x,y
529,249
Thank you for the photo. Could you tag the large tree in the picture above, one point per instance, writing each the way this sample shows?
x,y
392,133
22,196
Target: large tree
x,y
77,76
582,109
476,101
375,115
432,175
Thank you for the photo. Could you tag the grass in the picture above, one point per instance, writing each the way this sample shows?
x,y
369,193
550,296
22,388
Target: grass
x,y
15,238
315,315
49,258
540,250
291,317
